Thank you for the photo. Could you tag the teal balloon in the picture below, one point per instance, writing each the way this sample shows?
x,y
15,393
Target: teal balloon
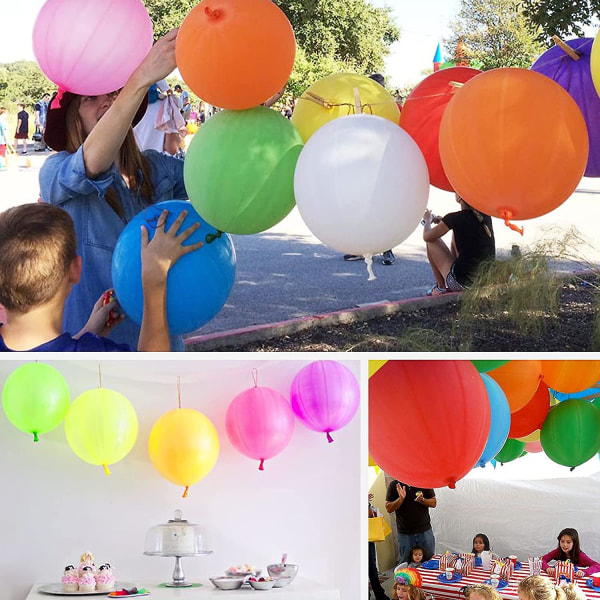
x,y
500,421
239,169
511,450
35,398
483,366
570,434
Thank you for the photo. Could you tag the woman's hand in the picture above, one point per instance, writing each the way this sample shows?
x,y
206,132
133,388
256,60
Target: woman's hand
x,y
159,62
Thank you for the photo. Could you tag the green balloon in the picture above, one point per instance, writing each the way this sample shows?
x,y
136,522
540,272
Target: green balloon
x,y
35,398
483,366
239,169
596,403
511,450
570,434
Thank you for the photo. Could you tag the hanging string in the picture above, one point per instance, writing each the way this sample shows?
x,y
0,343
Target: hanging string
x,y
185,492
99,375
179,391
255,377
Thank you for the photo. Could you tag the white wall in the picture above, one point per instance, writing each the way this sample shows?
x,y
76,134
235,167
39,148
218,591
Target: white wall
x,y
53,506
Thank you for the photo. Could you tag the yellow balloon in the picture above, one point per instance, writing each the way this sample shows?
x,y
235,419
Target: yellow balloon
x,y
183,446
532,437
337,90
375,365
595,62
101,427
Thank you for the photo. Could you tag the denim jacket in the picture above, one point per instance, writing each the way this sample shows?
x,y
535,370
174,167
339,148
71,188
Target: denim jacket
x,y
64,183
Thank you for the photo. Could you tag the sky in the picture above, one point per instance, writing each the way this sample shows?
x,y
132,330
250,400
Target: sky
x,y
423,24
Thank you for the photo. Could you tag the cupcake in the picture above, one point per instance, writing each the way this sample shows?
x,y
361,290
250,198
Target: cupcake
x,y
87,581
105,580
69,579
86,560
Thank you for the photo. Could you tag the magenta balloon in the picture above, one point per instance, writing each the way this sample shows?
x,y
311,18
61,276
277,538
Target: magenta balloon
x,y
325,396
259,423
91,47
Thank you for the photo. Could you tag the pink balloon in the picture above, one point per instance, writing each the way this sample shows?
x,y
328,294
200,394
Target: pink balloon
x,y
534,447
259,423
91,47
325,396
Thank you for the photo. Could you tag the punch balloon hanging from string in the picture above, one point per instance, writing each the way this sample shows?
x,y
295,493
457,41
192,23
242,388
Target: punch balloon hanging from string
x,y
259,422
183,445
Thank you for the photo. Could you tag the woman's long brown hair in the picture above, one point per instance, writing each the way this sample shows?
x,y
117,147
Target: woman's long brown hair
x,y
131,160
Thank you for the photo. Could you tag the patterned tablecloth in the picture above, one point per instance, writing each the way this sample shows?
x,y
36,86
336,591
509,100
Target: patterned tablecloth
x,y
478,575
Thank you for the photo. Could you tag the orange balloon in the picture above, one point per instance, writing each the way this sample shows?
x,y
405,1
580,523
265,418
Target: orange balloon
x,y
235,54
569,376
519,380
513,143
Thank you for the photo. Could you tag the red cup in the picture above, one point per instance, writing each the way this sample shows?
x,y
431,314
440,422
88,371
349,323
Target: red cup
x,y
596,581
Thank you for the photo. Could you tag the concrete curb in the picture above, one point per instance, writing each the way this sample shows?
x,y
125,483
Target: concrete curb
x,y
259,333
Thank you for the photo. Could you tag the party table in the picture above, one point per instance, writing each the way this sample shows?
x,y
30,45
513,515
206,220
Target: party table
x,y
479,575
299,589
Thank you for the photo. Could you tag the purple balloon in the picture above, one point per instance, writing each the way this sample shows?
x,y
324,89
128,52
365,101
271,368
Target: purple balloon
x,y
576,78
325,396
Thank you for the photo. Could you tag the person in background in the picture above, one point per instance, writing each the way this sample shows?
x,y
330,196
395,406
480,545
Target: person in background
x,y
480,592
481,542
4,139
376,586
569,549
472,243
411,505
39,120
415,557
22,131
537,587
184,98
388,257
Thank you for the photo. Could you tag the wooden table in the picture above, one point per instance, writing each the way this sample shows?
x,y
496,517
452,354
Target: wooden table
x,y
299,589
478,575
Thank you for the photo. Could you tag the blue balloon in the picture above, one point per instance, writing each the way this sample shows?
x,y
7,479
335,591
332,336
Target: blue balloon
x,y
198,284
500,422
589,394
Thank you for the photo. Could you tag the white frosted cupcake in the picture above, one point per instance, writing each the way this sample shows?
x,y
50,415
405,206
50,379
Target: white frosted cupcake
x,y
105,580
87,581
86,560
69,579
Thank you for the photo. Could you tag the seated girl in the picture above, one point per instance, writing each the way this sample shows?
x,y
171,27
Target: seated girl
x,y
569,549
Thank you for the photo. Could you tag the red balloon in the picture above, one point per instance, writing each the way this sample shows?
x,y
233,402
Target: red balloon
x,y
428,420
532,415
422,113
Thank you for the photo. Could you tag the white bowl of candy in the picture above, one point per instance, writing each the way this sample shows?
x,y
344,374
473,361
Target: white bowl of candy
x,y
262,583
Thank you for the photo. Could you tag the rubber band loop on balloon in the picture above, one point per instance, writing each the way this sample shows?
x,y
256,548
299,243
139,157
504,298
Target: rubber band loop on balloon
x,y
106,470
35,436
506,215
262,465
329,438
185,492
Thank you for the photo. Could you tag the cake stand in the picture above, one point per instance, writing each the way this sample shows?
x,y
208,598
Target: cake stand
x,y
177,539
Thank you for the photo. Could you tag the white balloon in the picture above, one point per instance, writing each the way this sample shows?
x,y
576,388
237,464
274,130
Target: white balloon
x,y
361,184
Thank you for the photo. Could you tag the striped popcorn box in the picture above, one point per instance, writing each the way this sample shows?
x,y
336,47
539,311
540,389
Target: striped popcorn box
x,y
563,572
447,560
496,567
468,562
507,570
535,565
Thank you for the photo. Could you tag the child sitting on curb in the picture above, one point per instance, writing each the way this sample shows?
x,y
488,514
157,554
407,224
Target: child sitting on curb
x,y
39,266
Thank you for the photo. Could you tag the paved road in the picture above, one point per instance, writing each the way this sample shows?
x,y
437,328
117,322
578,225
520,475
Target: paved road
x,y
286,272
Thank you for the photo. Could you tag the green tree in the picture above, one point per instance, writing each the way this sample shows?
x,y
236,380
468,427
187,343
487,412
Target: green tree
x,y
23,81
495,34
564,18
167,14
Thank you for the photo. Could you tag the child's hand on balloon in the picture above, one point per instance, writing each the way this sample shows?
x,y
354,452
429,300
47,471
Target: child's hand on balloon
x,y
103,318
165,249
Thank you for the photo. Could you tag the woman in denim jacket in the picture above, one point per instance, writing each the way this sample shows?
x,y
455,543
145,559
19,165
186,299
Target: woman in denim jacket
x,y
100,177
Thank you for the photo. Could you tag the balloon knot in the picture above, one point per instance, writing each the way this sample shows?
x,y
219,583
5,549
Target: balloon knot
x,y
212,14
507,216
572,469
261,466
185,492
106,470
329,438
56,102
35,437
452,486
